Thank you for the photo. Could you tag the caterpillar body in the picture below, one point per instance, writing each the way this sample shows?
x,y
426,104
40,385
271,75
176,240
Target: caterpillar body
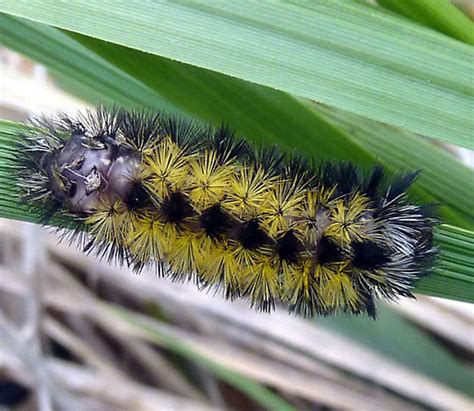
x,y
199,204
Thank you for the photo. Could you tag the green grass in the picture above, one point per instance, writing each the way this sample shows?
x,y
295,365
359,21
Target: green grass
x,y
441,15
341,53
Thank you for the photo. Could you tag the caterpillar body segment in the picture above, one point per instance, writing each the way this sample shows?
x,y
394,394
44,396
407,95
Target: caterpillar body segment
x,y
199,204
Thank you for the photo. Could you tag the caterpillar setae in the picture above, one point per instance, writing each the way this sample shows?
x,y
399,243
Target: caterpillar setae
x,y
196,203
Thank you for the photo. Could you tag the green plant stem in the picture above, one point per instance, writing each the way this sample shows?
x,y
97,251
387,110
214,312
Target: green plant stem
x,y
453,276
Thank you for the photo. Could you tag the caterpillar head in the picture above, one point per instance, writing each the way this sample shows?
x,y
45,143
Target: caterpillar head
x,y
78,170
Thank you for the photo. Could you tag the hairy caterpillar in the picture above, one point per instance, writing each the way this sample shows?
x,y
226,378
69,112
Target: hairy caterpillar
x,y
199,204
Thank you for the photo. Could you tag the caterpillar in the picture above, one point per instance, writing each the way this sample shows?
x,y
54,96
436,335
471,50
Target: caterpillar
x,y
196,203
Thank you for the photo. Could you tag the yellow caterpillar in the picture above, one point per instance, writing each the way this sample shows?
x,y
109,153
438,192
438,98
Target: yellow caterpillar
x,y
198,204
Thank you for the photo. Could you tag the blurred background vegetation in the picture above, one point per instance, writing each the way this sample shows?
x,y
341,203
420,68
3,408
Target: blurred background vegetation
x,y
345,80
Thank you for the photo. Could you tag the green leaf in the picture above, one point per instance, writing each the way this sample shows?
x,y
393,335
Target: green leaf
x,y
258,113
440,15
454,266
344,54
65,56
